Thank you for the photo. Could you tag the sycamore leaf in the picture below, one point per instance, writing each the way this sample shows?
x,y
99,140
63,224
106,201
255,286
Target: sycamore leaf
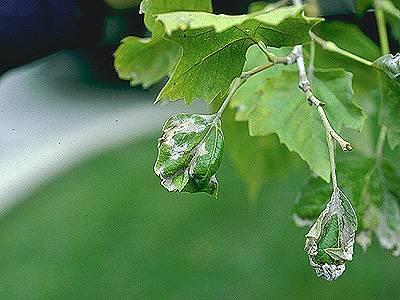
x,y
389,65
255,158
375,192
214,47
145,61
330,241
272,103
189,153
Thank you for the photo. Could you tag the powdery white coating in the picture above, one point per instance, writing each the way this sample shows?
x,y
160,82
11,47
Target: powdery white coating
x,y
143,7
177,151
168,184
340,206
184,124
200,151
329,272
302,222
363,238
389,235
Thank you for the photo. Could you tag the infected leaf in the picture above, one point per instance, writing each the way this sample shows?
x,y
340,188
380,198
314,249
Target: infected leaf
x,y
189,153
330,241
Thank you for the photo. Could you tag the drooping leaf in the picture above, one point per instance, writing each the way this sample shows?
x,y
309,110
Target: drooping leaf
x,y
145,61
272,103
389,65
375,192
214,47
189,153
330,241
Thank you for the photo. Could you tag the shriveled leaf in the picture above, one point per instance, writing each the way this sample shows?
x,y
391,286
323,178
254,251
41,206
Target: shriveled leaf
x,y
272,103
145,61
375,192
189,153
389,65
330,241
214,47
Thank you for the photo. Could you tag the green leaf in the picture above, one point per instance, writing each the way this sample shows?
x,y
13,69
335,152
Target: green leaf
x,y
389,65
145,61
266,156
330,241
272,103
190,153
152,8
375,192
214,47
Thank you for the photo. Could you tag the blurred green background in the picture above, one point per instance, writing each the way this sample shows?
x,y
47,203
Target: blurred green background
x,y
107,230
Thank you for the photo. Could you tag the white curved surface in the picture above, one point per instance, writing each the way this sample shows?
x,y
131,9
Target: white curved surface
x,y
52,118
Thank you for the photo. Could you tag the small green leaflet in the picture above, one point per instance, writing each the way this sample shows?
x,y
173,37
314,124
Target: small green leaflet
x,y
330,241
389,65
145,61
272,103
375,192
214,47
190,153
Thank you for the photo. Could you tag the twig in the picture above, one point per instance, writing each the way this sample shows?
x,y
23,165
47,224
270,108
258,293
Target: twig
x,y
239,81
382,30
311,67
384,41
332,47
331,134
305,86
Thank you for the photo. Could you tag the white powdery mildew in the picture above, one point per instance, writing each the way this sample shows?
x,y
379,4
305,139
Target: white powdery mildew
x,y
177,151
329,272
200,151
363,238
340,206
168,184
302,222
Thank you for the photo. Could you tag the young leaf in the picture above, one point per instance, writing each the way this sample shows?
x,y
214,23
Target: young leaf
x,y
189,153
389,66
278,106
330,241
214,47
145,61
375,192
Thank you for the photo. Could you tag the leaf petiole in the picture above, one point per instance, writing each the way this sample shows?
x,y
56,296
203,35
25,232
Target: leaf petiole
x,y
332,47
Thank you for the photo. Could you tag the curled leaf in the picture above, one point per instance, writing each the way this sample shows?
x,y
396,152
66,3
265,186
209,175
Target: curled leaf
x,y
189,153
330,241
